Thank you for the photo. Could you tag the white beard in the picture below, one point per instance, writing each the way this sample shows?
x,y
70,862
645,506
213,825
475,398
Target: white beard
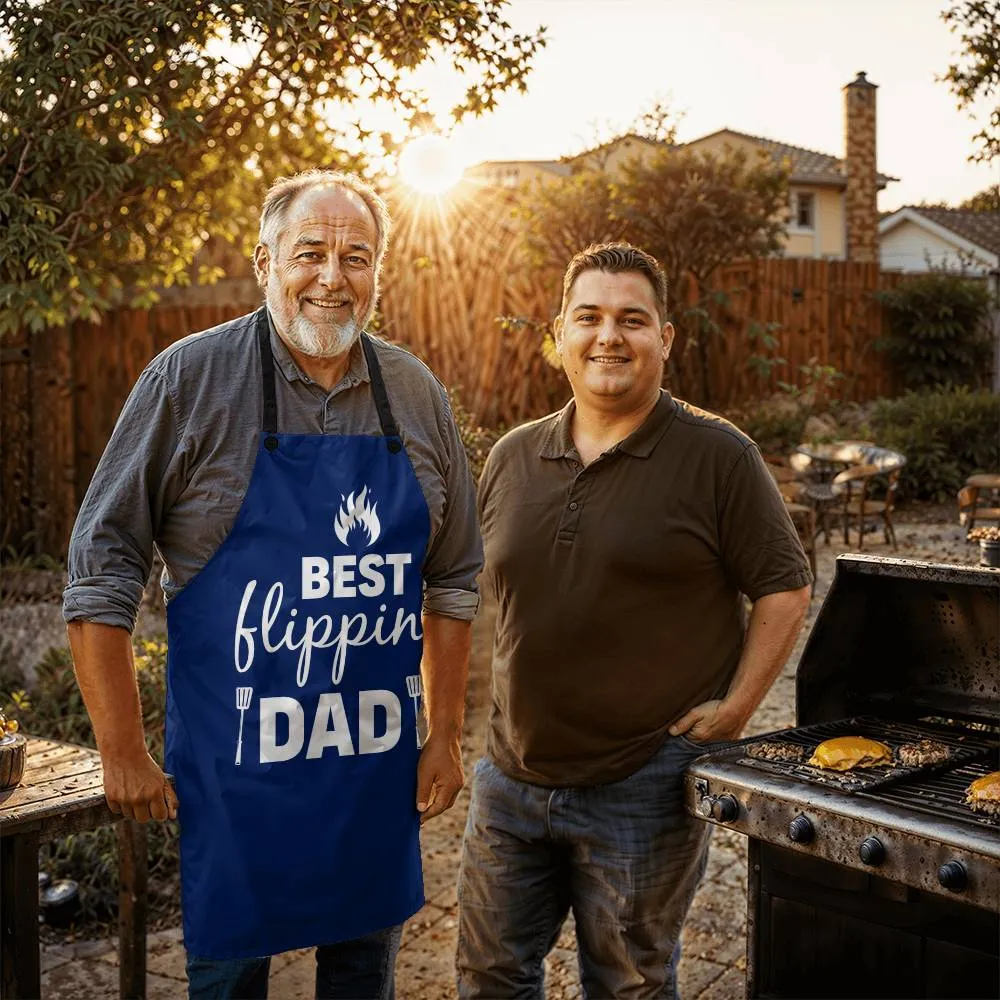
x,y
326,341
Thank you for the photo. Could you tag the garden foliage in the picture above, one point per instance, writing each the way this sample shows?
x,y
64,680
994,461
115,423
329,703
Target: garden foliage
x,y
938,330
975,77
131,133
946,435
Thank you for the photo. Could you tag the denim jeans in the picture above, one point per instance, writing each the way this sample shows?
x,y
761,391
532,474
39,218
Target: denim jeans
x,y
624,857
360,969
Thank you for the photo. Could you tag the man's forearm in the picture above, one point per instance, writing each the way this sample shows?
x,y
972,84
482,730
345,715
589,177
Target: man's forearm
x,y
775,621
445,670
105,671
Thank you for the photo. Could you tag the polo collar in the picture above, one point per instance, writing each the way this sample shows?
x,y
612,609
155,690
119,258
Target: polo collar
x,y
558,443
357,370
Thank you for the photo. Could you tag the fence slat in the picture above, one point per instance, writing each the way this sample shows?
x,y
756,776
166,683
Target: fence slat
x,y
15,440
53,465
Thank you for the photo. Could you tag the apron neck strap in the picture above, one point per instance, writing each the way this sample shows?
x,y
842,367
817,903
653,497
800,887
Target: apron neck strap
x,y
385,418
267,378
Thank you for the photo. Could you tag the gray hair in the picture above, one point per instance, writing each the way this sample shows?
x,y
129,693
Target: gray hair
x,y
283,192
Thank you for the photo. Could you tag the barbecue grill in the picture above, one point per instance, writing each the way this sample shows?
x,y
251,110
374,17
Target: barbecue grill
x,y
876,882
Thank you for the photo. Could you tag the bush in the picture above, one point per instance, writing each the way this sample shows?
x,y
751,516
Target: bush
x,y
55,710
776,430
946,436
477,440
939,333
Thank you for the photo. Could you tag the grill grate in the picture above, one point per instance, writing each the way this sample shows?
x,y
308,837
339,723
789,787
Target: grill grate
x,y
965,747
943,795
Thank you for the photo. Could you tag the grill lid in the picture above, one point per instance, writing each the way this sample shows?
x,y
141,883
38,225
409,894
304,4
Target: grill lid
x,y
906,639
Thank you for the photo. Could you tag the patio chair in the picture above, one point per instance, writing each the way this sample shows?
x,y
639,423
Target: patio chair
x,y
972,506
817,490
855,488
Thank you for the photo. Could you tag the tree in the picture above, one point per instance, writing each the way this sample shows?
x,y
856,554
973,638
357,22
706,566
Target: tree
x,y
563,216
131,133
977,75
694,212
987,200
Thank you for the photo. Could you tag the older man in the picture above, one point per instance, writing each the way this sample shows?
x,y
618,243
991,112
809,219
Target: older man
x,y
621,536
309,493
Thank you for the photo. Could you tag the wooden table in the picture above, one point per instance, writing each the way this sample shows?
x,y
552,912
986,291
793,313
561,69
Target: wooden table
x,y
62,793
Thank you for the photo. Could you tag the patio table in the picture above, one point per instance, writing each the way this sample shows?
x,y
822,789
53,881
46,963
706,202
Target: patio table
x,y
61,793
831,457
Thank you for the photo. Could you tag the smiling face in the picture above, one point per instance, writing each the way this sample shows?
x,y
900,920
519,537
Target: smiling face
x,y
612,342
319,272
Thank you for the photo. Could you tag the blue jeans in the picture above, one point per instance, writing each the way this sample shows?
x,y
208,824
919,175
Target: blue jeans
x,y
624,857
361,969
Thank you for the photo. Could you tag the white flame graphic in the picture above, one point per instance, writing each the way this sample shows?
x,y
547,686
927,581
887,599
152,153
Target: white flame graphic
x,y
357,512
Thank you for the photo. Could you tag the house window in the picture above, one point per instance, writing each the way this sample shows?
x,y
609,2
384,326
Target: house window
x,y
804,210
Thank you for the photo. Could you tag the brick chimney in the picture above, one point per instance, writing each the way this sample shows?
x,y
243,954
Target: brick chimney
x,y
860,208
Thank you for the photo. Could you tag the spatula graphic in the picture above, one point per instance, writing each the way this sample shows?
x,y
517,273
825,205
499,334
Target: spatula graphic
x,y
415,690
243,697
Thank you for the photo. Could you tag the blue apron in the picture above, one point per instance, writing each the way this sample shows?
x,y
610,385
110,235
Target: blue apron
x,y
293,684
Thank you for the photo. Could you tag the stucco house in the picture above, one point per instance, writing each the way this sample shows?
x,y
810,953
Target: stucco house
x,y
832,211
917,238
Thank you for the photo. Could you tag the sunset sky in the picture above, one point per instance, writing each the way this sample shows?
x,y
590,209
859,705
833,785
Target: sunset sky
x,y
773,68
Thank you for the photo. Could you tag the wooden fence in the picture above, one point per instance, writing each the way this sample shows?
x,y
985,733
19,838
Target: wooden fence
x,y
450,276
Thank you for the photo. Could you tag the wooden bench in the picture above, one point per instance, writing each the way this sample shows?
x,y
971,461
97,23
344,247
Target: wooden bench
x,y
62,793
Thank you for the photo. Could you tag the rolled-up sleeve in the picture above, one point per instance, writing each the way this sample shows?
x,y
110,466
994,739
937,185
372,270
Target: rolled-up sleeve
x,y
455,556
111,547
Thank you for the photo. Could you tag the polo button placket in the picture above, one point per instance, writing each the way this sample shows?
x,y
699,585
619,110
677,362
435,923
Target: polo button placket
x,y
570,520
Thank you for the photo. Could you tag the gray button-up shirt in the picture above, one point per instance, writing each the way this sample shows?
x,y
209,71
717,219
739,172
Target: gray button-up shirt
x,y
178,464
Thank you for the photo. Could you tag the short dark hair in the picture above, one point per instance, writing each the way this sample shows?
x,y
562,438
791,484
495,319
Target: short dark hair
x,y
617,258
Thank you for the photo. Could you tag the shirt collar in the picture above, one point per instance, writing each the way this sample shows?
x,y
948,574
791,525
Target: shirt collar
x,y
357,370
558,443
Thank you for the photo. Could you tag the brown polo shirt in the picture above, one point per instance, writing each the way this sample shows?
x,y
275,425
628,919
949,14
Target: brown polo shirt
x,y
619,585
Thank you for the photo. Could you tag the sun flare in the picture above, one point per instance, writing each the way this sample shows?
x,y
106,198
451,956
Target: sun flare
x,y
430,164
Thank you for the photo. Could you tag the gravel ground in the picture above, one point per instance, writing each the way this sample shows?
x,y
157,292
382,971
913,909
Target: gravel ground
x,y
713,964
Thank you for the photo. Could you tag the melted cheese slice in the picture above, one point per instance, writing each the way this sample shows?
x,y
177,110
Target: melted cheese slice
x,y
846,752
985,789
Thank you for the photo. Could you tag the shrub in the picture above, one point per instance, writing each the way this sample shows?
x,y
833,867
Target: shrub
x,y
946,435
477,440
776,430
55,710
938,330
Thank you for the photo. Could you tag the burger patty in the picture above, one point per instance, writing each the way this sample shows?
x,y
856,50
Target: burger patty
x,y
989,807
788,753
983,795
922,753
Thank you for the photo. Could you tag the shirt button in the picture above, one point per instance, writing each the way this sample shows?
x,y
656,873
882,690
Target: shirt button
x,y
573,505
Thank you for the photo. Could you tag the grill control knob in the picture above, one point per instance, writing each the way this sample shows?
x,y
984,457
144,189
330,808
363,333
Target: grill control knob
x,y
801,830
953,876
872,851
725,809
